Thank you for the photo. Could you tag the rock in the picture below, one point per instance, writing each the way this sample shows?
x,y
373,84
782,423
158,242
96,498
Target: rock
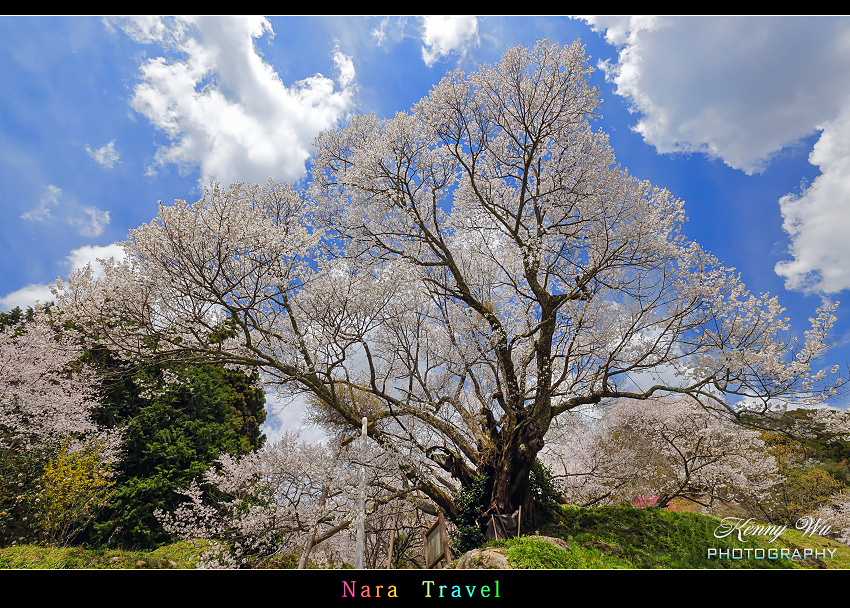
x,y
493,558
488,558
558,542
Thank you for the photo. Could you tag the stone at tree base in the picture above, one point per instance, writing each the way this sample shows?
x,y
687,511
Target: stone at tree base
x,y
493,558
488,558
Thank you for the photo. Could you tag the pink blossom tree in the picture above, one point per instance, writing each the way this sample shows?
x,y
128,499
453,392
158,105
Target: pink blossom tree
x,y
836,514
480,266
290,497
649,453
46,398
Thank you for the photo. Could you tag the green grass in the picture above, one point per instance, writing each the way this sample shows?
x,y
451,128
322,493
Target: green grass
x,y
528,553
183,554
624,537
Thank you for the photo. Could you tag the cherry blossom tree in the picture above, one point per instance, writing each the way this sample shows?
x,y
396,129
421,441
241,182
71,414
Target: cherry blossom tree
x,y
44,397
828,423
664,448
836,513
54,460
290,497
266,502
479,266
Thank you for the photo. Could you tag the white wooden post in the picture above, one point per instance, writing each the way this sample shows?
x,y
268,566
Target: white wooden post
x,y
361,503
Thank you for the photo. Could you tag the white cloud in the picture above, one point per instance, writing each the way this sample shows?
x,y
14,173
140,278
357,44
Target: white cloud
x,y
345,66
48,200
736,88
379,34
818,220
105,156
446,34
225,109
88,221
740,89
26,297
289,415
391,30
76,260
89,254
146,28
92,224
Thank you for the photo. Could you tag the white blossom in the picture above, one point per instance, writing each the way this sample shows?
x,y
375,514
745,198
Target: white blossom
x,y
659,448
836,513
45,398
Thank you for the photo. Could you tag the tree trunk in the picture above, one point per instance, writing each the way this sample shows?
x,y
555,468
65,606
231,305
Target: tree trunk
x,y
509,487
522,442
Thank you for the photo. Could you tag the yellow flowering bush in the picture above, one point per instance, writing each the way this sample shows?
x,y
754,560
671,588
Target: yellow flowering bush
x,y
74,485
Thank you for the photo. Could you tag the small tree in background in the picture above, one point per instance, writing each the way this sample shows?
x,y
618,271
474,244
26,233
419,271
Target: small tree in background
x,y
663,449
46,401
836,511
804,485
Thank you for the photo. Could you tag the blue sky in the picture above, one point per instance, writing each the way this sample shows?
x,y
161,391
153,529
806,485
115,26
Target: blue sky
x,y
745,118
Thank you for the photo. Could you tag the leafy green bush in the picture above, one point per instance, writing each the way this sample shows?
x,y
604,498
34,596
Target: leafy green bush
x,y
546,493
468,535
172,434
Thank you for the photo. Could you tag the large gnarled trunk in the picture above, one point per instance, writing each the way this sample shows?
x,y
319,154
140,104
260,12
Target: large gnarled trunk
x,y
510,488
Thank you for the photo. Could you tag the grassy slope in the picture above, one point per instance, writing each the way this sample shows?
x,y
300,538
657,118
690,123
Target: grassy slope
x,y
178,555
611,537
623,537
